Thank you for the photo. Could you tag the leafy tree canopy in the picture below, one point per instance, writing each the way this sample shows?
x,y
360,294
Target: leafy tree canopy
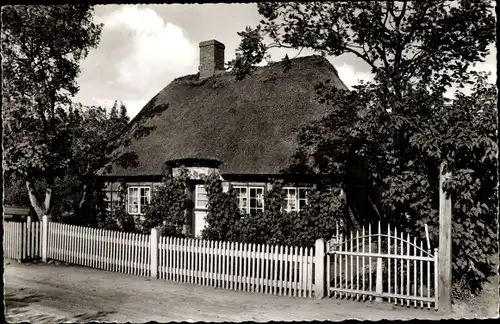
x,y
48,138
89,132
42,47
433,42
387,138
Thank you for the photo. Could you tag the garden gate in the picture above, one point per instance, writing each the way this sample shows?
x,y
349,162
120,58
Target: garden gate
x,y
383,265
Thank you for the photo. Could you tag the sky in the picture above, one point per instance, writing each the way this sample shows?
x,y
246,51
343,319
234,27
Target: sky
x,y
144,47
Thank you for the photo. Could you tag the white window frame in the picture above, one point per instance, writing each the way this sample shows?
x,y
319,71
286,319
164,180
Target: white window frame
x,y
242,209
109,200
196,204
246,209
139,206
297,199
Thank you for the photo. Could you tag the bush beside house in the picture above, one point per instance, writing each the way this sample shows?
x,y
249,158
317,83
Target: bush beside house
x,y
274,225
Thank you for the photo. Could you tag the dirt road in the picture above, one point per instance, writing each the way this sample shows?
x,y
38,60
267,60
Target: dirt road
x,y
54,293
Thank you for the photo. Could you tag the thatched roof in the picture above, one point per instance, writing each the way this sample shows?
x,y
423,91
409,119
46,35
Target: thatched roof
x,y
247,125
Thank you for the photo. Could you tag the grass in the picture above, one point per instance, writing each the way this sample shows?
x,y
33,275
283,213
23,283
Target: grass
x,y
484,305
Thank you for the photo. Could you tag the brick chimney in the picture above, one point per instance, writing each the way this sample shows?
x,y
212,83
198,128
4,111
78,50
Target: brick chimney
x,y
211,58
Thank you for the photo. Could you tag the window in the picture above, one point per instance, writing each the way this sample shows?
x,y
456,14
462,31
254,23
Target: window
x,y
250,199
112,192
256,199
201,197
302,200
138,198
241,194
295,198
108,201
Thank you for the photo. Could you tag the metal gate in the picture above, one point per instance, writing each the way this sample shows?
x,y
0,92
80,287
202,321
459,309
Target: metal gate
x,y
384,264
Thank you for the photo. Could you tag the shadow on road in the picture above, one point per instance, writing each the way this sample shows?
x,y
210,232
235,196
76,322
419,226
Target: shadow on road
x,y
97,316
17,309
15,303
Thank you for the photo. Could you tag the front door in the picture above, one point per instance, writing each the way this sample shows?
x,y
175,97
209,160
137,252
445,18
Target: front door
x,y
200,209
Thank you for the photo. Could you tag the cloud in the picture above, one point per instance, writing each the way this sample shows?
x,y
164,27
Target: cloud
x,y
350,76
139,54
159,49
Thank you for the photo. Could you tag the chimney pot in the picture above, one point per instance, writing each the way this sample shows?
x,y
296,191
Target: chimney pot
x,y
211,58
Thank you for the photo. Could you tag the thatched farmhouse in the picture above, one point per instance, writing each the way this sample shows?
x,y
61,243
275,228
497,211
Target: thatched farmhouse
x,y
209,121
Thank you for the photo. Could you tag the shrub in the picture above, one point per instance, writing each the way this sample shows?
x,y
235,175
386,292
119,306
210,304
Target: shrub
x,y
119,219
274,225
223,212
166,210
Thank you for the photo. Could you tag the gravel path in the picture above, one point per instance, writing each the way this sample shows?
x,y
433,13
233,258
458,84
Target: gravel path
x,y
42,293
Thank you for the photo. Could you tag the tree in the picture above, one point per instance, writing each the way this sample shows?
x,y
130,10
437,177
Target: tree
x,y
389,136
77,193
92,135
42,47
118,118
49,141
113,114
123,114
432,42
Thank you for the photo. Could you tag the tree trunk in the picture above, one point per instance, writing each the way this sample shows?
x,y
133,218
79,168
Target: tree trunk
x,y
84,196
40,209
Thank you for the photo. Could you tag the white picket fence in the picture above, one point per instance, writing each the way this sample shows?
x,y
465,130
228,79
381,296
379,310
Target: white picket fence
x,y
381,264
269,269
100,249
22,241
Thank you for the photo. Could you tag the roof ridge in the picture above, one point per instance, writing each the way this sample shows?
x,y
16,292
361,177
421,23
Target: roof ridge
x,y
195,76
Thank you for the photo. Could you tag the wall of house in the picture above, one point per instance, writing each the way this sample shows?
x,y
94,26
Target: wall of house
x,y
112,191
196,215
195,173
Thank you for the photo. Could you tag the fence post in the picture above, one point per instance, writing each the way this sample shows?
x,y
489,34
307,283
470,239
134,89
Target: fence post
x,y
445,222
319,269
29,238
45,232
28,222
153,238
378,287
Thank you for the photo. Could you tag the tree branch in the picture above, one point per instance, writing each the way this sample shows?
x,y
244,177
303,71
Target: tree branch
x,y
44,119
386,16
383,55
33,199
416,24
278,45
48,193
300,51
399,43
390,8
52,105
403,11
363,57
414,61
48,196
84,195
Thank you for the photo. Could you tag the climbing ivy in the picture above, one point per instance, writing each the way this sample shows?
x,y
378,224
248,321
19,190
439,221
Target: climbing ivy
x,y
119,219
273,225
166,210
223,212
